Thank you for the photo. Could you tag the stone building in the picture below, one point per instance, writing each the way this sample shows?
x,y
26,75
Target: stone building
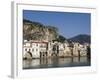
x,y
36,49
76,49
42,49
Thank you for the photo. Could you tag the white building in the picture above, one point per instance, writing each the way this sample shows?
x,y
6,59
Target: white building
x,y
83,50
35,48
76,49
67,50
38,49
80,49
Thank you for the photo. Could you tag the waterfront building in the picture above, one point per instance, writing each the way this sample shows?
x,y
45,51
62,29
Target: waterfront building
x,y
41,49
83,50
67,50
37,49
76,49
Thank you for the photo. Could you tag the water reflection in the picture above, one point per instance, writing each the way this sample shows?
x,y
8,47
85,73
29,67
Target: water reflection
x,y
56,62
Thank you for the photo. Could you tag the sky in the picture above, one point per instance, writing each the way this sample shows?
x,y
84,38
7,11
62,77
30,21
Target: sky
x,y
69,24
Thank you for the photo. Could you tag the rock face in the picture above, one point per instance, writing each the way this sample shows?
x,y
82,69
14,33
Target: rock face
x,y
38,31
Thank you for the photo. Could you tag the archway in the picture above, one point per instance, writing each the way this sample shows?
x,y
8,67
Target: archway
x,y
28,55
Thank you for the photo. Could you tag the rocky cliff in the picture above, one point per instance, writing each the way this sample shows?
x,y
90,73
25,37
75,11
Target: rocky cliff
x,y
38,31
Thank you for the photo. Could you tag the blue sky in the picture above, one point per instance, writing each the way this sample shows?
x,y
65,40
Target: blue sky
x,y
69,24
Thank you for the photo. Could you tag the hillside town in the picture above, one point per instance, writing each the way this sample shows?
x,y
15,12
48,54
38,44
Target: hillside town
x,y
34,49
41,41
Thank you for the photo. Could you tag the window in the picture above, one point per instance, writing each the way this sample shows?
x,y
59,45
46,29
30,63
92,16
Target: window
x,y
25,49
29,49
36,49
36,44
33,50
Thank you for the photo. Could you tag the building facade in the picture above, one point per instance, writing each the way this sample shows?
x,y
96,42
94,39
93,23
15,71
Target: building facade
x,y
37,49
41,49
